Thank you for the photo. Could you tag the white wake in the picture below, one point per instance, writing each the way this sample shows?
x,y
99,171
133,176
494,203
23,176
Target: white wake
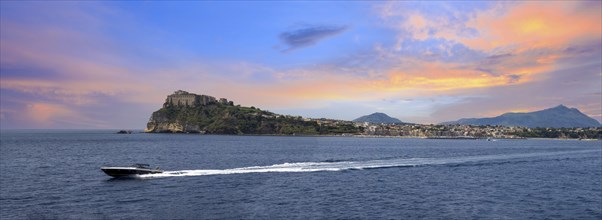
x,y
358,165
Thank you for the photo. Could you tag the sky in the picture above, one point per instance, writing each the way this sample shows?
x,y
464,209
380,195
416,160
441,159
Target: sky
x,y
87,64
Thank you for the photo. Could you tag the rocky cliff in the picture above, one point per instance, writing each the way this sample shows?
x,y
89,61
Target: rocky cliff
x,y
223,117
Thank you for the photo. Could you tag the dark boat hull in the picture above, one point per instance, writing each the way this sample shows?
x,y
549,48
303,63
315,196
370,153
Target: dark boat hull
x,y
127,171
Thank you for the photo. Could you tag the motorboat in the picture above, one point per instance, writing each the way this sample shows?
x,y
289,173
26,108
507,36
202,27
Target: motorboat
x,y
128,171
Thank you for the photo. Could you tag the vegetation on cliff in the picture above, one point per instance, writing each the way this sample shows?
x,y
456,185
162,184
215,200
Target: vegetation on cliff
x,y
220,118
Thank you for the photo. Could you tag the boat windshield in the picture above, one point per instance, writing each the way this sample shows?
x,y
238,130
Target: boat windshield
x,y
141,165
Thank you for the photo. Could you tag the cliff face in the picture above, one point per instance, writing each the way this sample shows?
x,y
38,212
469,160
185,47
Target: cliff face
x,y
171,127
218,118
222,117
209,118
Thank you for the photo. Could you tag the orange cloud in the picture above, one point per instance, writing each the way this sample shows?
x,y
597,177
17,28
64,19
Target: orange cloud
x,y
399,81
413,78
529,25
297,92
508,26
438,81
525,41
433,77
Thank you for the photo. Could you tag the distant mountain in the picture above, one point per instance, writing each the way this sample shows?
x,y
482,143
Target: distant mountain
x,y
378,118
557,117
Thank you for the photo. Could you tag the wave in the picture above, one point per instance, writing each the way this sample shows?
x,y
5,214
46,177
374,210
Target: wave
x,y
367,164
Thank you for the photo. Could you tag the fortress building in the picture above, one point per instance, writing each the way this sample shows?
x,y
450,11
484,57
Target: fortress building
x,y
183,98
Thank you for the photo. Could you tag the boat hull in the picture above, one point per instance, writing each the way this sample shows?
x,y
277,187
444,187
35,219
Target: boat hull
x,y
127,171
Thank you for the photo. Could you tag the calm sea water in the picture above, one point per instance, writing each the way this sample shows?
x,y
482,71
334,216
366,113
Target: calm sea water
x,y
56,175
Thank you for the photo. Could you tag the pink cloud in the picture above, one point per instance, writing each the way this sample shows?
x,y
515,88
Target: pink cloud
x,y
44,113
50,115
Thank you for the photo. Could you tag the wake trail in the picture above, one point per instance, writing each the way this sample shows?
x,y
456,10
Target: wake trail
x,y
368,164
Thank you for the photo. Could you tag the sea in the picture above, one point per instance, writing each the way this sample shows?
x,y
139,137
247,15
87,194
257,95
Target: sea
x,y
55,174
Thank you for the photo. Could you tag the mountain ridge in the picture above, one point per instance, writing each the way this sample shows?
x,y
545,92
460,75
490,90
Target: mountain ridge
x,y
555,117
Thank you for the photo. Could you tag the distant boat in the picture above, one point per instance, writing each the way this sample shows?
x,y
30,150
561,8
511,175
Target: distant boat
x,y
135,169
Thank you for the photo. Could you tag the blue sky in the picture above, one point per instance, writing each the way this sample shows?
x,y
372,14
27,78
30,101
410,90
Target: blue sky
x,y
111,64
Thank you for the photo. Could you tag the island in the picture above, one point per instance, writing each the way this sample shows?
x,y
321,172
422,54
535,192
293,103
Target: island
x,y
185,112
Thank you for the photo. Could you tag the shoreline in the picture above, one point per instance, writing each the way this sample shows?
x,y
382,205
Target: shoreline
x,y
141,131
377,136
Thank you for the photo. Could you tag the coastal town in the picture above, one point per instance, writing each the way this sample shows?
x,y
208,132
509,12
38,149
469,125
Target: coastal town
x,y
462,131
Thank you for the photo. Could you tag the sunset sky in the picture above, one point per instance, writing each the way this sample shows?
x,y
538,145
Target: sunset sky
x,y
111,64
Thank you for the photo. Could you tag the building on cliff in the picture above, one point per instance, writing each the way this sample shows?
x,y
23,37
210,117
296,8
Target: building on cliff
x,y
183,98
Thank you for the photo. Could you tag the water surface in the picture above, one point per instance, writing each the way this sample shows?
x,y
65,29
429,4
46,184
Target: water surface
x,y
55,174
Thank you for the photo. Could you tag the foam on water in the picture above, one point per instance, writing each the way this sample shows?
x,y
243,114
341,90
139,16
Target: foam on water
x,y
368,164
